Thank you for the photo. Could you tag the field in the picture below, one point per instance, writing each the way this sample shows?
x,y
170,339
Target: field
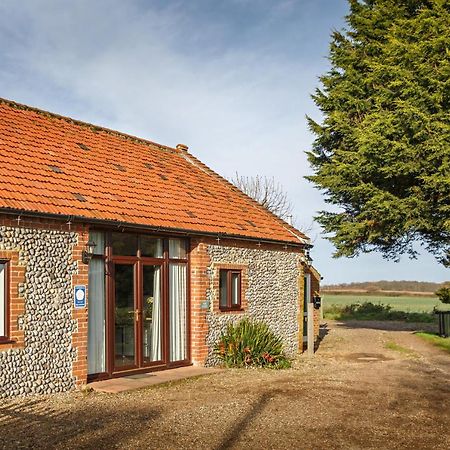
x,y
403,303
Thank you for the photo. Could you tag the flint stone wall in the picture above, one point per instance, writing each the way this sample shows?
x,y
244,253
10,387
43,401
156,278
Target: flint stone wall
x,y
272,293
44,365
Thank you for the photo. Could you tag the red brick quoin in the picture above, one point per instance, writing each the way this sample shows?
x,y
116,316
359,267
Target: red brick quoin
x,y
16,306
80,336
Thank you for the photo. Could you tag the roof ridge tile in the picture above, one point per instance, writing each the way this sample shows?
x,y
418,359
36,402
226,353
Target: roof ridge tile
x,y
92,127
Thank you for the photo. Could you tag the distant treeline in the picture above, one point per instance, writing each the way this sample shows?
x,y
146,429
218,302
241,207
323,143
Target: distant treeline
x,y
397,286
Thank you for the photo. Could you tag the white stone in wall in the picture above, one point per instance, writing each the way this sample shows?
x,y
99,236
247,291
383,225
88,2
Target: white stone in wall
x,y
45,364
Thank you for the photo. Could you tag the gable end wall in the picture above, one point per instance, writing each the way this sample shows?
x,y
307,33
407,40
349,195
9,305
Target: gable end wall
x,y
270,291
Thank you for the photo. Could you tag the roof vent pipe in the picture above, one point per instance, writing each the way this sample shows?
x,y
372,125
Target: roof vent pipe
x,y
182,147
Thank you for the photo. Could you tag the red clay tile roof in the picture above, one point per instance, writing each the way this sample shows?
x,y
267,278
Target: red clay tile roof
x,y
56,165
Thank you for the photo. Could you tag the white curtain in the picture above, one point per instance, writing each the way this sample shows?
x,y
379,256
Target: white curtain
x,y
99,238
96,317
177,311
156,317
235,289
2,300
159,248
177,248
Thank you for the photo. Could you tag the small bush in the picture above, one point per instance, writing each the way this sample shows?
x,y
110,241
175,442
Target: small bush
x,y
443,294
250,343
367,308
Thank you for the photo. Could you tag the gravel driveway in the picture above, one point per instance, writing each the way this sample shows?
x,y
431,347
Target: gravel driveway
x,y
366,388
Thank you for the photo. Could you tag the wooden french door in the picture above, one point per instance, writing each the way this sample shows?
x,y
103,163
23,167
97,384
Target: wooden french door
x,y
138,311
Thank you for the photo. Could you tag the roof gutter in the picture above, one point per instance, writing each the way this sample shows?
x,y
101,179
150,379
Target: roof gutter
x,y
132,226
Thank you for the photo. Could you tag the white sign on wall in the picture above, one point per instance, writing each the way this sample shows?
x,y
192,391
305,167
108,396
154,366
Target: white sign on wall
x,y
79,297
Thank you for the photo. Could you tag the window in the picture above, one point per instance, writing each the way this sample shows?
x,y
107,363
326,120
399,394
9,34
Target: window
x,y
3,300
230,289
144,246
124,244
151,247
177,248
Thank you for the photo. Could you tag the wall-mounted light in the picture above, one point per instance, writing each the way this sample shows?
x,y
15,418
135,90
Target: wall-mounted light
x,y
308,257
317,300
88,252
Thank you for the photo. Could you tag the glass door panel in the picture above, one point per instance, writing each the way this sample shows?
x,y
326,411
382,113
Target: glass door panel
x,y
151,314
177,312
124,316
96,317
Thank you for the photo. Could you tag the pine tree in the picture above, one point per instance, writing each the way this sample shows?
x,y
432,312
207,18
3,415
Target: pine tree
x,y
382,153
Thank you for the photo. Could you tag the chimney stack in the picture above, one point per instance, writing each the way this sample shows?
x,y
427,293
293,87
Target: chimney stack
x,y
182,147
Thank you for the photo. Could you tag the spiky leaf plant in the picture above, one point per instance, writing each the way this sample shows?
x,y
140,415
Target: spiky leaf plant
x,y
251,343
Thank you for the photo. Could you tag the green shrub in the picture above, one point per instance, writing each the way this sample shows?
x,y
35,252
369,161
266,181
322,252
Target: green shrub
x,y
367,308
375,311
250,343
443,294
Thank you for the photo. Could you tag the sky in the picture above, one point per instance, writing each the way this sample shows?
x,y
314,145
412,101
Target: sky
x,y
231,79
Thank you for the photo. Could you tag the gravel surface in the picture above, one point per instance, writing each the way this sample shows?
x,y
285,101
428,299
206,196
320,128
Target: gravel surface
x,y
358,392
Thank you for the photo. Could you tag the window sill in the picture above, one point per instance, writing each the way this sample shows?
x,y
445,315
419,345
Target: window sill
x,y
9,344
237,310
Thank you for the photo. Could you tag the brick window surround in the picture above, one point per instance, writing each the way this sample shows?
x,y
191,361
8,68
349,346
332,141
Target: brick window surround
x,y
16,303
216,291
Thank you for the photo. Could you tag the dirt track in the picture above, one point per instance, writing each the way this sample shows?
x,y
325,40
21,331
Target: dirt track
x,y
354,394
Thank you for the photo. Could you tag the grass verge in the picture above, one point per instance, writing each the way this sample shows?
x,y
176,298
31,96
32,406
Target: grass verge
x,y
441,342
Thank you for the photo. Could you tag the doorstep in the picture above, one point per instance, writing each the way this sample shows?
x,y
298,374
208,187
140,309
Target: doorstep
x,y
131,382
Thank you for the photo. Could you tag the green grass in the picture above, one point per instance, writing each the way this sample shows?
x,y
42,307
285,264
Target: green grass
x,y
398,348
406,304
441,342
